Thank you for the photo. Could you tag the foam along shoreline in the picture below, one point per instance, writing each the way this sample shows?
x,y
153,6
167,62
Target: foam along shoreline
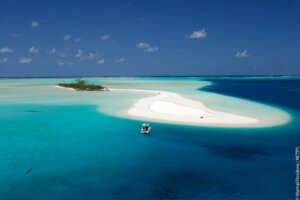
x,y
170,106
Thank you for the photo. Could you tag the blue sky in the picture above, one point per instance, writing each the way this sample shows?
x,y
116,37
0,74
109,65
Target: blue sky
x,y
149,38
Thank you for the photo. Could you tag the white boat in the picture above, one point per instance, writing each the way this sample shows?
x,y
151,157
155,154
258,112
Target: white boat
x,y
146,129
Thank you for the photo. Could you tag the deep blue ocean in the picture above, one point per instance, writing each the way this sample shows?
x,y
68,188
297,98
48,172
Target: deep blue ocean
x,y
76,152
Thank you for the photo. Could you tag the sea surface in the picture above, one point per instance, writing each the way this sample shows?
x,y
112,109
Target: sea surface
x,y
81,145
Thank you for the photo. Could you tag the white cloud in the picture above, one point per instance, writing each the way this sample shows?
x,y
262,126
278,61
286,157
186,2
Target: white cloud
x,y
33,50
105,37
147,47
77,39
79,54
67,37
35,24
120,60
101,61
197,34
242,54
60,63
6,50
91,55
16,35
3,60
52,51
151,49
142,45
25,60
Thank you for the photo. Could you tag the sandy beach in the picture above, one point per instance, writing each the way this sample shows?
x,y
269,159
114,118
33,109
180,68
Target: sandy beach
x,y
170,106
56,86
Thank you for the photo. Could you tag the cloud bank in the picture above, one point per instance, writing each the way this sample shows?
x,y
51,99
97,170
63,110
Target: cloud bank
x,y
52,51
6,50
242,54
120,60
25,60
67,37
147,47
3,60
35,24
143,45
105,37
197,34
33,50
101,61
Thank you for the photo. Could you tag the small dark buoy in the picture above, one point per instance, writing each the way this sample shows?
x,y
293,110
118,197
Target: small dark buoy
x,y
29,170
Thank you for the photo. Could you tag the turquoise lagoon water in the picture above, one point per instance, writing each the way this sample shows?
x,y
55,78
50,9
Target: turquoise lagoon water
x,y
81,146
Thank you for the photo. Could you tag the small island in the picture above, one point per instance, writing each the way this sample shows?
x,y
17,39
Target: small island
x,y
83,86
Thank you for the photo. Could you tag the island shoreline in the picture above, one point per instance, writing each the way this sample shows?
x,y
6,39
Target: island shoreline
x,y
171,107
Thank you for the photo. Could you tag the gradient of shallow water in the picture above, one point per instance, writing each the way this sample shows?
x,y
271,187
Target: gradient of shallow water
x,y
76,152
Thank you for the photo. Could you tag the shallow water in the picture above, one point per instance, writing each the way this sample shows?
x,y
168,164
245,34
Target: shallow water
x,y
77,152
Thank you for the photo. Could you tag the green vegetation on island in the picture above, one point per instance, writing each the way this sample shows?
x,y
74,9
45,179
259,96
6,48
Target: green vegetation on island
x,y
82,85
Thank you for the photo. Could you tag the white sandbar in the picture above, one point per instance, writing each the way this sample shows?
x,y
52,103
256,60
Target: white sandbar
x,y
170,106
56,86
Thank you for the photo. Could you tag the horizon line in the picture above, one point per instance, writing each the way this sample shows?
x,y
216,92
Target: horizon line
x,y
110,76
